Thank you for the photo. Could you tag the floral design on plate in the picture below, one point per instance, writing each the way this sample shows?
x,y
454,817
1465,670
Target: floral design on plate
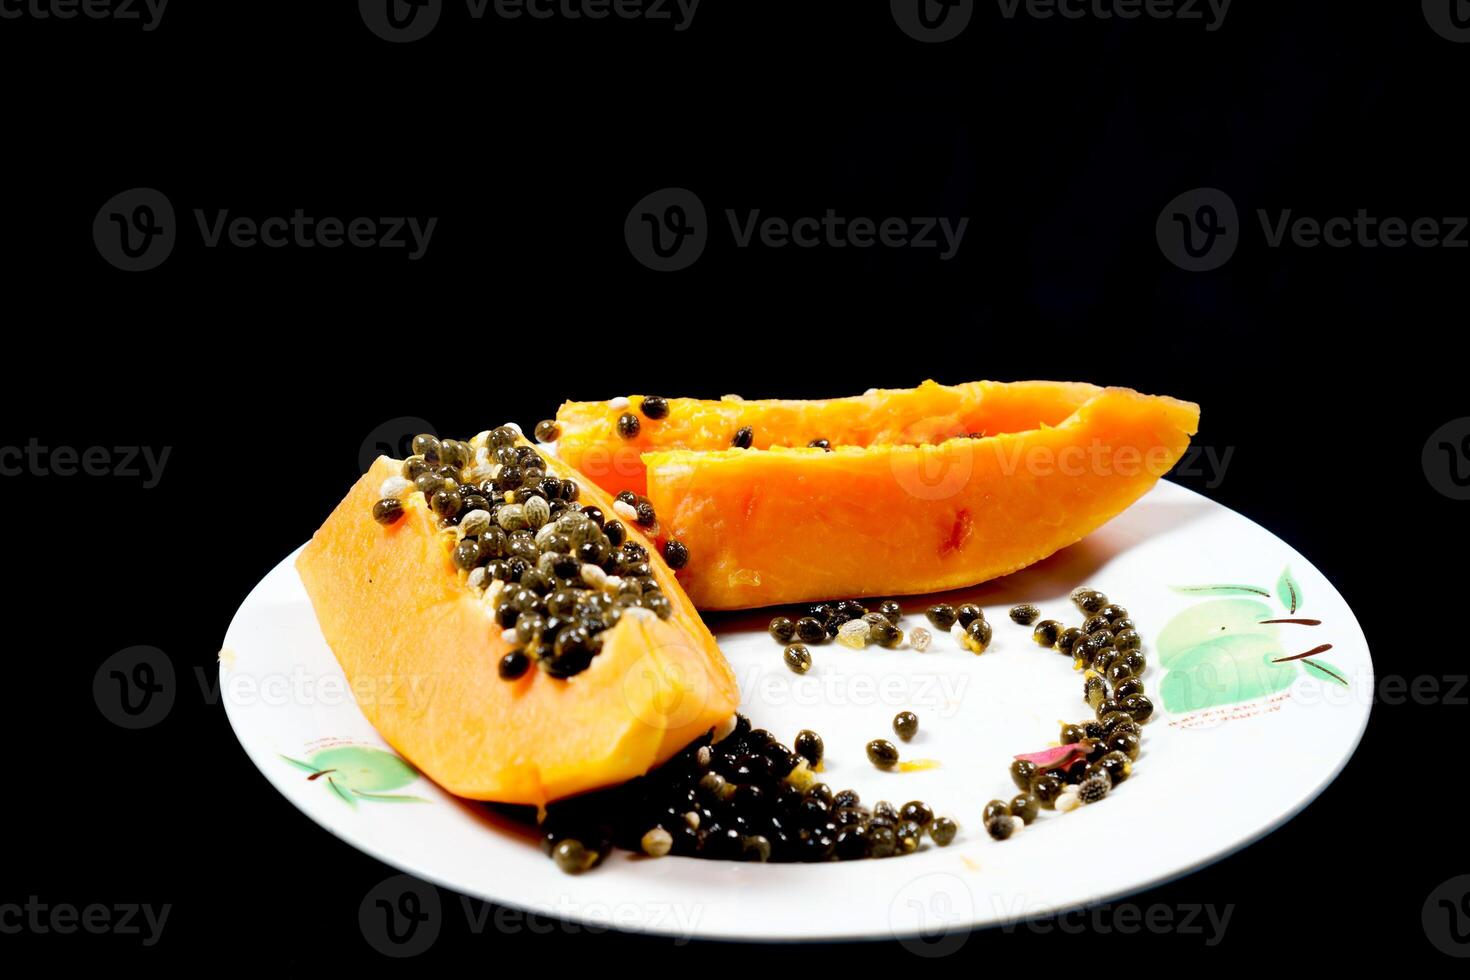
x,y
1236,649
360,772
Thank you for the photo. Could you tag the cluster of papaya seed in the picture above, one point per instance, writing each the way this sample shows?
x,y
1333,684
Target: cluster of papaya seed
x,y
849,623
555,574
739,795
1095,755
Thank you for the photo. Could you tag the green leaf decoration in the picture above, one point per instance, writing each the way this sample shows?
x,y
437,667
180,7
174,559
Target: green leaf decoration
x,y
1221,590
303,766
342,794
1288,591
1324,671
390,797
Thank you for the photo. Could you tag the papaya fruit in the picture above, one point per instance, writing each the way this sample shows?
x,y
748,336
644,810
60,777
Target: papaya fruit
x,y
422,633
893,492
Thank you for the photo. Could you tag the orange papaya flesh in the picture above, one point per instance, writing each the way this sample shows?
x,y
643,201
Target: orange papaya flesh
x,y
589,439
420,648
906,502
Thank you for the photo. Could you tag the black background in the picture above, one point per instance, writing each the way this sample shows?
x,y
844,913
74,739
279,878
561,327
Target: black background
x,y
1324,370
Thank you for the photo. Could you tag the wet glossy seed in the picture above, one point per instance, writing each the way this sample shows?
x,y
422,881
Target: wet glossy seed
x,y
1112,719
943,831
1088,600
914,811
572,857
1127,640
1115,765
388,510
1113,613
1103,659
808,745
1024,805
654,407
466,554
628,425
882,753
1126,742
1068,640
1095,623
446,503
1119,625
1130,727
1119,671
891,611
755,847
798,658
616,533
942,616
781,629
1022,773
906,724
809,629
1046,789
885,634
547,430
882,841
676,554
968,613
1130,686
513,665
979,632
1024,614
820,444
743,437
428,447
1135,662
1139,707
1047,632
646,516
1000,828
414,467
1072,734
995,808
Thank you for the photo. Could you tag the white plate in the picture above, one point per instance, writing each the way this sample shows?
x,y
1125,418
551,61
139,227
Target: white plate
x,y
1237,746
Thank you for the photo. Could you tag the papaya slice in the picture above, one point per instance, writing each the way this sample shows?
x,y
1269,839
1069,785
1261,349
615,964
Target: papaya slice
x,y
921,490
421,647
